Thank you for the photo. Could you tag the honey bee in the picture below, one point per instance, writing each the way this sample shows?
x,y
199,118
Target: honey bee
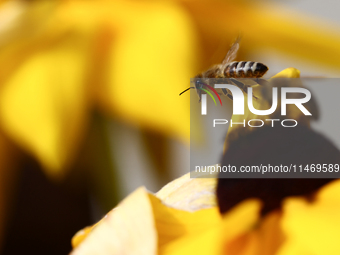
x,y
232,70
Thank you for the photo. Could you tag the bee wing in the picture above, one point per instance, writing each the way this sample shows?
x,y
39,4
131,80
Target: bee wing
x,y
232,53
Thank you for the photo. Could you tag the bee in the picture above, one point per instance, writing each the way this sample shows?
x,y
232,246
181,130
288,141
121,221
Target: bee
x,y
232,70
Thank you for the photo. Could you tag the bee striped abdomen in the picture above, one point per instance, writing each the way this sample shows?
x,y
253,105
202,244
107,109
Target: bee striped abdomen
x,y
245,69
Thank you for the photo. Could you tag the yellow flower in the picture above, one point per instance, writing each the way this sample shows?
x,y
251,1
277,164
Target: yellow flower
x,y
312,228
60,59
145,224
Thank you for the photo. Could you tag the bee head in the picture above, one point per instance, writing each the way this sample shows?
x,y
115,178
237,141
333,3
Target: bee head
x,y
198,84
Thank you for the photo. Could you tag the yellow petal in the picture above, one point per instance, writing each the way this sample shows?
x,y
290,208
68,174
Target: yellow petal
x,y
212,241
272,27
128,229
171,219
189,194
142,219
312,228
265,239
151,61
173,224
80,236
290,72
42,103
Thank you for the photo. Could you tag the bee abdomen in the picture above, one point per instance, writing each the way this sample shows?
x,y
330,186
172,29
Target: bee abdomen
x,y
245,69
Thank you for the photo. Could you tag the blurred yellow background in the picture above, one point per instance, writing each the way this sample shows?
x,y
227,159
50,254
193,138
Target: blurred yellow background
x,y
89,105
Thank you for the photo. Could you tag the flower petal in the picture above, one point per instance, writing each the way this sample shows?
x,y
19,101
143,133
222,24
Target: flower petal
x,y
189,194
212,241
265,239
42,104
267,25
141,216
128,229
151,61
312,228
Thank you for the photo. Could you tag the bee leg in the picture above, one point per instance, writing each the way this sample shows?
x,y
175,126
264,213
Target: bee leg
x,y
225,92
239,84
261,82
242,86
199,93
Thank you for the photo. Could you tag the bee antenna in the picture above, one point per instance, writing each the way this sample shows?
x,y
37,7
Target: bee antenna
x,y
186,90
